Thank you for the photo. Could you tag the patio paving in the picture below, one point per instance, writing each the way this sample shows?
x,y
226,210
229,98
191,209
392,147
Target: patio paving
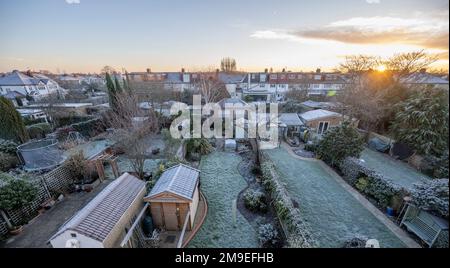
x,y
37,233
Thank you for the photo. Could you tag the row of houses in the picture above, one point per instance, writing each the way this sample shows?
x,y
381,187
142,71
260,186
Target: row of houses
x,y
270,87
16,85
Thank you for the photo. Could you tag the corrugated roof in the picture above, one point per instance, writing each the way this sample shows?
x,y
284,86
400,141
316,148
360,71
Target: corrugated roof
x,y
180,180
99,217
317,114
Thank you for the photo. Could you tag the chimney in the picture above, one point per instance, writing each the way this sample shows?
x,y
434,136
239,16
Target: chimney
x,y
149,70
182,70
423,70
266,70
284,70
318,70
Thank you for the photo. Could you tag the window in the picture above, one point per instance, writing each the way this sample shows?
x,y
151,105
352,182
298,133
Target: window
x,y
323,127
272,85
262,85
316,86
73,235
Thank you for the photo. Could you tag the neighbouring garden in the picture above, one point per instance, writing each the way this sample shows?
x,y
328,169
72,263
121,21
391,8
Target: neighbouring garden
x,y
399,172
333,215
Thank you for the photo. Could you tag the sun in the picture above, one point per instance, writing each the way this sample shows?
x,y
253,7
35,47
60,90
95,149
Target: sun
x,y
381,68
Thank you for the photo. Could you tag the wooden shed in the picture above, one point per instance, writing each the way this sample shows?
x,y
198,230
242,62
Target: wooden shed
x,y
174,198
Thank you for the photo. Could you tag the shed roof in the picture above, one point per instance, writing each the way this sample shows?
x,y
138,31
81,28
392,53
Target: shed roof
x,y
290,119
317,114
180,180
98,218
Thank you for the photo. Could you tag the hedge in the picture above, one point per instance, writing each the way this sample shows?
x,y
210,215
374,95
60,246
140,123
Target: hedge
x,y
372,183
39,131
89,128
299,235
8,146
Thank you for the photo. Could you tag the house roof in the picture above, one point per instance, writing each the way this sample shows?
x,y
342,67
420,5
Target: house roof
x,y
318,104
231,78
290,119
98,218
180,180
232,101
17,78
13,95
423,78
317,114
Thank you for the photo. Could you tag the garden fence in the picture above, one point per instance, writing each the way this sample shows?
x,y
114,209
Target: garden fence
x,y
49,185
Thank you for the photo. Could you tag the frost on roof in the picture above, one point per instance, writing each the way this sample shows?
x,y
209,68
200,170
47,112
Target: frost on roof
x,y
180,180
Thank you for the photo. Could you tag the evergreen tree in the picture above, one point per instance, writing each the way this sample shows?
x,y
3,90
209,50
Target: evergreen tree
x,y
422,122
118,86
11,123
339,143
111,92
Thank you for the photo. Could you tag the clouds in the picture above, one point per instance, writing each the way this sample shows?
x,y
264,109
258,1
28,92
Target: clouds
x,y
431,33
373,1
70,2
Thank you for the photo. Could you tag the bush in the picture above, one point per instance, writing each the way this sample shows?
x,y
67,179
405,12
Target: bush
x,y
81,170
356,242
268,235
8,146
199,146
39,131
339,143
255,201
15,192
7,161
69,120
432,196
89,128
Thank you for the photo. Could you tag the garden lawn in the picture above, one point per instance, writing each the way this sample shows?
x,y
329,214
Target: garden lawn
x,y
395,170
333,214
221,184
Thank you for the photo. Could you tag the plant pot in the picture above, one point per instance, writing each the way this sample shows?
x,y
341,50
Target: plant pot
x,y
17,230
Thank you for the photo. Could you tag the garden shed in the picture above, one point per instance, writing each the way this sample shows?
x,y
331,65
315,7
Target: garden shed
x,y
174,198
106,220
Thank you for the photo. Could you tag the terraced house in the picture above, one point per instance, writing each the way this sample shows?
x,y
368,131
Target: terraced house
x,y
32,84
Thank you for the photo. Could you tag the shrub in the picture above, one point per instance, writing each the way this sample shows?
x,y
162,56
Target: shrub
x,y
80,169
201,146
7,161
268,235
339,143
39,131
69,120
15,192
8,146
356,242
89,128
255,201
11,122
432,196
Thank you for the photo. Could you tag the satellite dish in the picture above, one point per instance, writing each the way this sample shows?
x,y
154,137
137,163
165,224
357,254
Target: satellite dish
x,y
372,243
72,243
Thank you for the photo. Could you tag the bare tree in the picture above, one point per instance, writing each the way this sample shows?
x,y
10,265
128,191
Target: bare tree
x,y
407,63
228,65
209,86
133,129
107,69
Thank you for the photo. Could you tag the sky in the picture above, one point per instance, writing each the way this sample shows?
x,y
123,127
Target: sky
x,y
167,35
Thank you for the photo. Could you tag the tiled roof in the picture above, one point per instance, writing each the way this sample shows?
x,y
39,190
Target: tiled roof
x,y
423,78
17,78
317,114
229,78
180,180
99,217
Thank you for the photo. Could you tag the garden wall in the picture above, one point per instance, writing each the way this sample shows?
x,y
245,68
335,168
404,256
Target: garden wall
x,y
49,185
297,232
372,184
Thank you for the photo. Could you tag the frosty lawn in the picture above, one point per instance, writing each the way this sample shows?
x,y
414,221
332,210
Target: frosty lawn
x,y
332,213
399,172
221,184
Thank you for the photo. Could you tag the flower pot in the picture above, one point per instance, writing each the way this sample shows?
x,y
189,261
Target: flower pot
x,y
17,230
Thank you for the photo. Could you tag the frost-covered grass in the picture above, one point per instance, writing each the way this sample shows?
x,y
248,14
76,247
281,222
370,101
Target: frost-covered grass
x,y
332,213
399,172
221,184
125,165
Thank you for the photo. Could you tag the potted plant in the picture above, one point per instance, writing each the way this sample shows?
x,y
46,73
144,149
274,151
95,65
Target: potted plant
x,y
14,194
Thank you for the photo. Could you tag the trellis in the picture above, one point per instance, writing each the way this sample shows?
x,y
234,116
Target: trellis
x,y
48,186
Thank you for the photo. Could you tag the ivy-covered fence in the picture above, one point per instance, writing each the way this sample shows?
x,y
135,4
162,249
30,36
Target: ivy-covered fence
x,y
296,230
373,184
49,185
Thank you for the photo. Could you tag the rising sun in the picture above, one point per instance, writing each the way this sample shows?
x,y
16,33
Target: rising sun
x,y
381,68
